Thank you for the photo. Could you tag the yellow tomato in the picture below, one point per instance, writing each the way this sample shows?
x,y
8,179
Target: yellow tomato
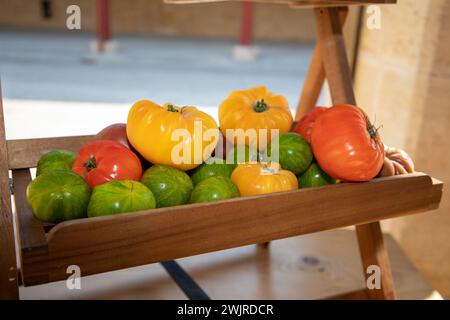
x,y
259,178
256,109
181,137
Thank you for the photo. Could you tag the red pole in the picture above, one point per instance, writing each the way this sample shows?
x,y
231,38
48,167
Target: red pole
x,y
246,23
103,33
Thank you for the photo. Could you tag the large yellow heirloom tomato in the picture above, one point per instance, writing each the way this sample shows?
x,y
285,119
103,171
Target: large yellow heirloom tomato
x,y
254,108
259,178
181,137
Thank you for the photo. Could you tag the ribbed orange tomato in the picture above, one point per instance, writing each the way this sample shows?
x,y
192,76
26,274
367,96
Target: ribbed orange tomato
x,y
180,137
254,108
260,178
346,145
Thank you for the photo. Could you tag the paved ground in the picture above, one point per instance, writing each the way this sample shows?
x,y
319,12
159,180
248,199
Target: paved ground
x,y
58,66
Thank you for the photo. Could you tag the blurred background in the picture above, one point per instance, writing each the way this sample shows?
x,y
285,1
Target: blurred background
x,y
157,51
53,78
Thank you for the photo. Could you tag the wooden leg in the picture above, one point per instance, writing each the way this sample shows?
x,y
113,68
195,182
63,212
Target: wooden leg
x,y
312,86
337,71
354,295
315,79
8,265
373,252
264,245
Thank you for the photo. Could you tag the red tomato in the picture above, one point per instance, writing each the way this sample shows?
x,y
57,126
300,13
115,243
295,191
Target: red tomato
x,y
104,160
346,145
306,123
116,132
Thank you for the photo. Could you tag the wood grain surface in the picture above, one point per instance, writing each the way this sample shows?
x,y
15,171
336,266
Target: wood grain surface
x,y
315,78
25,153
295,3
8,264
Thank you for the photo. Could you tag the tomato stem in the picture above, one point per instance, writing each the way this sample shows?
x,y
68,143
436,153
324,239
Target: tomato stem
x,y
260,106
171,108
90,164
373,132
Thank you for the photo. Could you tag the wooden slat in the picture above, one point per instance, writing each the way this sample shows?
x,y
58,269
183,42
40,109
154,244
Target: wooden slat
x,y
297,3
338,73
25,153
8,266
32,235
315,79
303,4
33,241
312,86
334,56
121,241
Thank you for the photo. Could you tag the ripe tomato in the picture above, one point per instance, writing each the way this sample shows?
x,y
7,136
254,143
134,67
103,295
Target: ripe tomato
x,y
116,132
254,109
346,145
104,160
155,132
260,178
306,123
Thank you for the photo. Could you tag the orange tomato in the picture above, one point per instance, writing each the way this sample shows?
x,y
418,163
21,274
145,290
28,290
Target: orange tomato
x,y
175,136
346,145
254,108
260,178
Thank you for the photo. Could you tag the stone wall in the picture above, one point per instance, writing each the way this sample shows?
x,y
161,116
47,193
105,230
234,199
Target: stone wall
x,y
213,20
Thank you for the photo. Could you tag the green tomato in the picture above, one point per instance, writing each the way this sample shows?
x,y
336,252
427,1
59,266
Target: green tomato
x,y
56,160
294,152
170,186
56,196
315,177
119,196
212,167
214,189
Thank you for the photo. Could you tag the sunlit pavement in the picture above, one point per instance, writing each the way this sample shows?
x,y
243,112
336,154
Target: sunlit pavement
x,y
58,66
52,83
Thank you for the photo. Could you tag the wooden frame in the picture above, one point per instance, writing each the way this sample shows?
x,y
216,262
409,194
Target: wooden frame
x,y
295,3
8,266
114,242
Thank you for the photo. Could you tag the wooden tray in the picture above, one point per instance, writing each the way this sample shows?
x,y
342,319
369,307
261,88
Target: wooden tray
x,y
126,240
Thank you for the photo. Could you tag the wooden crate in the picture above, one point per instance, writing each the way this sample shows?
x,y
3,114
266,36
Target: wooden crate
x,y
109,243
